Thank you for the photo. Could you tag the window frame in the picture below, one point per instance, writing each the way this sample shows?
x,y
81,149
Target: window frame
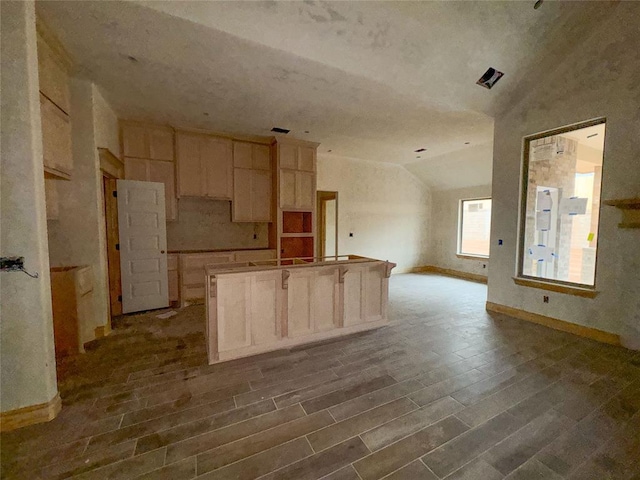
x,y
459,252
563,286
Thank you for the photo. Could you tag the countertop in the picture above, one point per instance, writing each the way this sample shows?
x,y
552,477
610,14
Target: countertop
x,y
219,250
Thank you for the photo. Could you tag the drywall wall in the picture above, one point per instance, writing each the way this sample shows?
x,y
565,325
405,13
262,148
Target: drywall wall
x,y
206,225
27,358
105,122
78,237
385,207
444,215
584,86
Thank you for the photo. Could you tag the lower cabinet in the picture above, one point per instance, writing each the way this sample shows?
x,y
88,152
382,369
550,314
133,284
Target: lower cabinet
x,y
174,282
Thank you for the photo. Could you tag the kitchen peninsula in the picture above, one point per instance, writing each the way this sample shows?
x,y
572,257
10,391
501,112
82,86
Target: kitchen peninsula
x,y
256,307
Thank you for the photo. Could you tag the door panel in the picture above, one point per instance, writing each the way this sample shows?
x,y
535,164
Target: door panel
x,y
353,297
305,158
265,308
234,313
261,157
242,195
217,159
261,195
143,244
136,169
300,321
163,172
242,155
160,144
190,174
305,194
288,156
325,300
287,188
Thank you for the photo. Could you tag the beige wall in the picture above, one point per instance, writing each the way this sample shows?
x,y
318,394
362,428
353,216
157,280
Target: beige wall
x,y
445,230
78,236
27,359
385,207
206,225
105,122
584,86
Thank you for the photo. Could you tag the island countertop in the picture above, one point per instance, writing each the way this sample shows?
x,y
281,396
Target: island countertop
x,y
255,307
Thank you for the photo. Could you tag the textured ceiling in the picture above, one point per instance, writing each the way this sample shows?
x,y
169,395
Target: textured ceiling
x,y
369,80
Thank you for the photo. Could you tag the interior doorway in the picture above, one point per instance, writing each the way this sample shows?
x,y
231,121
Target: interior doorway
x,y
327,224
113,254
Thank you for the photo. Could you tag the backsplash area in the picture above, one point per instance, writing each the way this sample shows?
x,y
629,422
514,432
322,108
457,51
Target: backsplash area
x,y
206,225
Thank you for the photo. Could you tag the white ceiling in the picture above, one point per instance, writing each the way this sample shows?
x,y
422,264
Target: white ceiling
x,y
369,80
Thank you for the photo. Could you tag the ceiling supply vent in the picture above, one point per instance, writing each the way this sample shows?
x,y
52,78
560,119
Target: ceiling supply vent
x,y
280,130
490,78
420,150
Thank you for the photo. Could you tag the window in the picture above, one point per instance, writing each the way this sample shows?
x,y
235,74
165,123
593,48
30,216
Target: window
x,y
474,227
560,206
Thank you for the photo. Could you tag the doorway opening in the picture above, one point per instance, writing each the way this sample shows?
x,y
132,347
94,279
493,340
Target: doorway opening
x,y
327,224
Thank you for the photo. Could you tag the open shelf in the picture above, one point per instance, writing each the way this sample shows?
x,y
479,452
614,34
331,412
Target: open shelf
x,y
297,222
630,211
296,247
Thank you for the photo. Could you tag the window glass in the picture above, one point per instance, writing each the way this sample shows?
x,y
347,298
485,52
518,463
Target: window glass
x,y
559,229
475,227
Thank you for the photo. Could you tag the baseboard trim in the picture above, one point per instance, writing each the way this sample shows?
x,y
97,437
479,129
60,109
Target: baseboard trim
x,y
474,277
556,324
22,417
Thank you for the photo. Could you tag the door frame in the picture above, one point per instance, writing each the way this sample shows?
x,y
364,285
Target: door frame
x,y
322,198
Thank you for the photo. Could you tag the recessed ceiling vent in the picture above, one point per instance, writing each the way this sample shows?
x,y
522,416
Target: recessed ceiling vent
x,y
280,130
490,78
420,150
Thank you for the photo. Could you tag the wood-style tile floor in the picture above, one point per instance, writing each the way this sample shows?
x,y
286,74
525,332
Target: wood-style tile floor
x,y
446,391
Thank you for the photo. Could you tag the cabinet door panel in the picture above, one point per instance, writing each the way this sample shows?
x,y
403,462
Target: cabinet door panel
x,y
261,157
217,158
164,172
234,312
53,77
56,137
160,144
242,155
242,195
265,308
287,188
288,156
190,175
300,321
304,192
135,141
260,195
325,299
136,169
353,297
373,278
305,159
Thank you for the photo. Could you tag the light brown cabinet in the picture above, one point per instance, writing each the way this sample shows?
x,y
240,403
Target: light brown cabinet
x,y
53,76
174,282
149,157
56,139
297,189
251,183
205,166
297,157
147,141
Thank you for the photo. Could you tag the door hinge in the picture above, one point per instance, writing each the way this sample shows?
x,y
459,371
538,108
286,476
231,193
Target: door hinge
x,y
115,194
119,298
117,246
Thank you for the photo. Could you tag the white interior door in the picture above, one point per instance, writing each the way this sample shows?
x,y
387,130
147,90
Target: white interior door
x,y
143,245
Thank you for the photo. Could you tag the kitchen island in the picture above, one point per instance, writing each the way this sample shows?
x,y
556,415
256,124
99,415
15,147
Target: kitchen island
x,y
256,307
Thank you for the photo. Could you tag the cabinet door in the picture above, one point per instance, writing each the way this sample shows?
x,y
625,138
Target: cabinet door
x,y
160,144
164,172
306,159
136,169
51,198
190,174
288,156
135,141
53,76
217,159
260,195
56,137
242,195
242,155
265,307
261,157
304,191
287,188
300,316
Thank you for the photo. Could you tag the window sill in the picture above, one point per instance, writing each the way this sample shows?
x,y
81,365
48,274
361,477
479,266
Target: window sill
x,y
472,257
556,287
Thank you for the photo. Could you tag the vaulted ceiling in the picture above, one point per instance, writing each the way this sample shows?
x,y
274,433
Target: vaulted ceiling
x,y
369,80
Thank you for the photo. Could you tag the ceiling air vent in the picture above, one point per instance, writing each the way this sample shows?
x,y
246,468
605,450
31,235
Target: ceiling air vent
x,y
280,130
420,150
490,78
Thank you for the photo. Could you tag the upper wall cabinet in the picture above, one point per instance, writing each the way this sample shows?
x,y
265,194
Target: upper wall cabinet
x,y
145,141
54,107
297,157
149,156
297,178
205,166
251,182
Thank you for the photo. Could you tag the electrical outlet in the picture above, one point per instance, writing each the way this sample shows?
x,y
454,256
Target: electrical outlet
x,y
545,299
500,242
11,263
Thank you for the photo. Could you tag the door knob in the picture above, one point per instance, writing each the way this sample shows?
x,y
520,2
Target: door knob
x,y
161,251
